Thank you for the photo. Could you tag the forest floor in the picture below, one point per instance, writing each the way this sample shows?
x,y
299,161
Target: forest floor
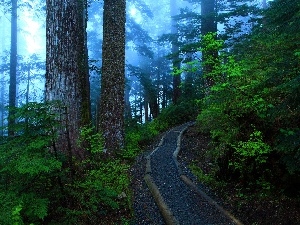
x,y
254,209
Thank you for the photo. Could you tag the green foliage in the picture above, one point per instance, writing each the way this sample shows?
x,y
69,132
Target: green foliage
x,y
99,183
288,144
27,166
251,155
174,115
112,175
91,140
139,135
252,110
89,197
132,147
202,177
16,216
37,183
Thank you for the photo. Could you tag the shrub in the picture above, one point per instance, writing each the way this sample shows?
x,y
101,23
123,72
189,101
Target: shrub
x,y
250,156
27,166
36,183
174,115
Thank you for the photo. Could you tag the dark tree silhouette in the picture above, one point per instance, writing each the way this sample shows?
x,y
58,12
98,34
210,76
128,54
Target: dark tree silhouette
x,y
13,65
208,25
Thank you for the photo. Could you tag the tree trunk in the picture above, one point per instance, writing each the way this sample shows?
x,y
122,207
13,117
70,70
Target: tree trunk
x,y
188,88
264,4
175,51
208,24
28,84
128,112
146,107
67,78
2,104
13,67
113,75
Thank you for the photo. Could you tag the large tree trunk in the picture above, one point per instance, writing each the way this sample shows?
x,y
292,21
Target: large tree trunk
x,y
13,67
112,104
67,78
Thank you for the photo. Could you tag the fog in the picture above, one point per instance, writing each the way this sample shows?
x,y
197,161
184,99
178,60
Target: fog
x,y
149,41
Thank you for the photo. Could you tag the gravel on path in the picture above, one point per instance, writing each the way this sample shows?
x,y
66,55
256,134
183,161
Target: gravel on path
x,y
188,207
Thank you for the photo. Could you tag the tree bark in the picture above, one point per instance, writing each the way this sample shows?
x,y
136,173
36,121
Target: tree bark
x,y
112,103
67,78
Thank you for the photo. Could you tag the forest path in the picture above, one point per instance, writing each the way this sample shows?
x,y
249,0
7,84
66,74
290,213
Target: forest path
x,y
176,202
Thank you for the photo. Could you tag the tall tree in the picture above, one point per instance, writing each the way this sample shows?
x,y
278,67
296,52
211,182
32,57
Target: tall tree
x,y
208,12
67,69
264,4
208,25
175,51
13,65
2,111
112,103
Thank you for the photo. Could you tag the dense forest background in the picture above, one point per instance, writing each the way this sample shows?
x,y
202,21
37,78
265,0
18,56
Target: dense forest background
x,y
86,85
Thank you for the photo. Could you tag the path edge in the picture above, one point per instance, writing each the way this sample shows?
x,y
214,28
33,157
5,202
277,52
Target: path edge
x,y
165,211
193,186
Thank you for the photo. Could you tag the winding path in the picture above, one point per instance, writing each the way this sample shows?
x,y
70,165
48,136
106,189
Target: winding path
x,y
179,200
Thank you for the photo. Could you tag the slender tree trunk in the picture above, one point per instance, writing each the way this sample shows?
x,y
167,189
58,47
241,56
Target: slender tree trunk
x,y
135,107
146,107
189,91
154,108
2,103
113,75
141,108
67,78
208,24
175,49
13,66
128,113
164,102
28,84
264,4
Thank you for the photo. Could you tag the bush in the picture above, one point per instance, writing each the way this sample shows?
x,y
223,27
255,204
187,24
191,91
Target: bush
x,y
174,115
140,135
27,166
250,157
38,185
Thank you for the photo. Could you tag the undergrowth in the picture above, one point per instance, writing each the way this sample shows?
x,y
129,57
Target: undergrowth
x,y
38,185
